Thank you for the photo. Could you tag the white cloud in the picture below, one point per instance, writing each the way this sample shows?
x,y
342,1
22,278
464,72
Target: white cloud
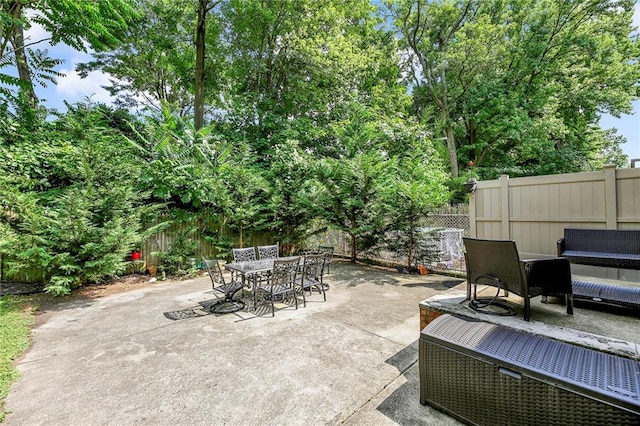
x,y
37,34
636,15
72,87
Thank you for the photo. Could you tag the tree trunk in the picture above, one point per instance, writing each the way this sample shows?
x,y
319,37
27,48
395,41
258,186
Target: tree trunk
x,y
353,248
26,89
451,149
410,251
200,50
14,11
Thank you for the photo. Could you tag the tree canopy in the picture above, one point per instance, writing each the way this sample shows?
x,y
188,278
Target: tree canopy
x,y
288,117
519,86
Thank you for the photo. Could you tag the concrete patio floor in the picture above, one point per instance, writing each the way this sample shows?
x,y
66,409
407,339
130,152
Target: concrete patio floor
x,y
350,360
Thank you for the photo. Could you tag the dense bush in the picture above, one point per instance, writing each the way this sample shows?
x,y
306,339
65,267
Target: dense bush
x,y
71,204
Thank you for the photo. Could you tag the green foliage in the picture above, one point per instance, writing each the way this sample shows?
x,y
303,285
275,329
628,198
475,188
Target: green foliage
x,y
154,63
518,87
81,24
175,261
307,110
349,197
72,209
290,206
416,189
418,246
183,166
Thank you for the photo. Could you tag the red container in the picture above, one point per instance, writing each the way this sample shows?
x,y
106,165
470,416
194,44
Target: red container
x,y
136,255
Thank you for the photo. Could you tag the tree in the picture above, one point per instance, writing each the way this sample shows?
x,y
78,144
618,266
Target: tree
x,y
153,66
80,24
183,166
519,84
290,206
415,189
350,194
429,30
204,8
296,66
246,193
69,198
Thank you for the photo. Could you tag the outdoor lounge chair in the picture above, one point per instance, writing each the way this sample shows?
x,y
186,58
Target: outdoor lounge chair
x,y
497,263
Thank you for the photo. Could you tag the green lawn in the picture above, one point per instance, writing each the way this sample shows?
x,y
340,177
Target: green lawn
x,y
17,314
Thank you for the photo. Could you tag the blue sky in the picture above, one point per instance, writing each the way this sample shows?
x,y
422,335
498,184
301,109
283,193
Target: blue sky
x,y
72,88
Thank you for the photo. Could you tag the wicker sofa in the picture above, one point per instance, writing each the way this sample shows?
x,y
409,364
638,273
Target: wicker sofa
x,y
616,248
488,374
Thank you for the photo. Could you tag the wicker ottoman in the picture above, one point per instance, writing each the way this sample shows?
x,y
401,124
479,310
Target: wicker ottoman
x,y
486,374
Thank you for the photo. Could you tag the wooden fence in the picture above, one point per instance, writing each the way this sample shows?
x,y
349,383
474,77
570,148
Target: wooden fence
x,y
204,225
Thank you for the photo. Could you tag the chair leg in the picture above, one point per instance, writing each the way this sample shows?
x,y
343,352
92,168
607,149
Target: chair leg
x,y
304,298
527,308
569,302
273,306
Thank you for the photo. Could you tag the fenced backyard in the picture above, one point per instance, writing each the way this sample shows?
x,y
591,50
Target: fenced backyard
x,y
449,225
532,211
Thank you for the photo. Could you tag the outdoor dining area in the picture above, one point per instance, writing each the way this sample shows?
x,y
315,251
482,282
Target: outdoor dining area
x,y
259,275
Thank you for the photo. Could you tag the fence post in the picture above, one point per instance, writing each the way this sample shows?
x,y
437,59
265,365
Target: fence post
x,y
505,229
473,226
610,196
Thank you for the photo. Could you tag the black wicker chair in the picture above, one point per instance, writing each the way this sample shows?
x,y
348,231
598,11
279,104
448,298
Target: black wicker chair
x,y
497,263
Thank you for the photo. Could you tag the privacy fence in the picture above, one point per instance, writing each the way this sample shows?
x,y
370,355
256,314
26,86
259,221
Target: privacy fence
x,y
534,211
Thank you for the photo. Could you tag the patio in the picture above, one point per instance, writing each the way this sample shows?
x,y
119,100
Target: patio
x,y
352,359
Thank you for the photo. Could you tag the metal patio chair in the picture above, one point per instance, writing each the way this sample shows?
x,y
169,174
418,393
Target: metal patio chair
x,y
312,272
328,250
268,252
218,284
279,284
243,254
497,263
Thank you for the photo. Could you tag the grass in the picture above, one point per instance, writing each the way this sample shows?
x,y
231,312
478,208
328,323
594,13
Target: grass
x,y
17,315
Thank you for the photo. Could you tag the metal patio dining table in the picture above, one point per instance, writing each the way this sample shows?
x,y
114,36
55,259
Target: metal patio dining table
x,y
251,271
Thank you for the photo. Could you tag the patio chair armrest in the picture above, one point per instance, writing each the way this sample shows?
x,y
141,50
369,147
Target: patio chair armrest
x,y
552,276
561,246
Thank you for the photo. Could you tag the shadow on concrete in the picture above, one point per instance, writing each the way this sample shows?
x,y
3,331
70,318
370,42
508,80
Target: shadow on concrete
x,y
202,309
402,405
